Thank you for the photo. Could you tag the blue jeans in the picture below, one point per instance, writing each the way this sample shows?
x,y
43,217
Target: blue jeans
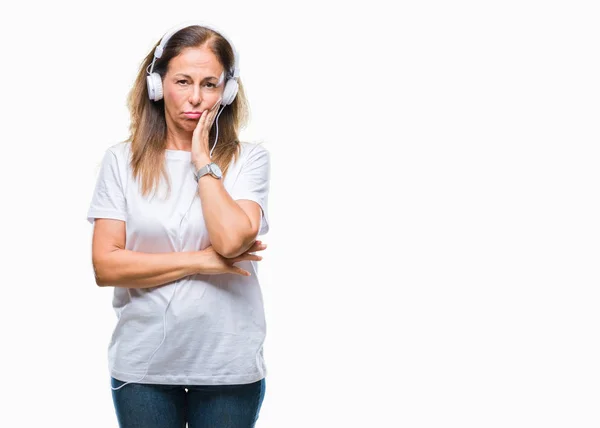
x,y
140,405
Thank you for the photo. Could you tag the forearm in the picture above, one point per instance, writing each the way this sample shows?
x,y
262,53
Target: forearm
x,y
133,269
228,226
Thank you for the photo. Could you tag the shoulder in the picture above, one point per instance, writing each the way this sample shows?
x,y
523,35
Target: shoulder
x,y
247,147
119,153
121,150
252,151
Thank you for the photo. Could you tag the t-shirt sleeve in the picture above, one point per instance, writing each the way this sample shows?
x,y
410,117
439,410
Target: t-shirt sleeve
x,y
108,199
252,183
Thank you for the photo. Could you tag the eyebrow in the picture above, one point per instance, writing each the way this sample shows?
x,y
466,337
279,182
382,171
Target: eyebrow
x,y
190,77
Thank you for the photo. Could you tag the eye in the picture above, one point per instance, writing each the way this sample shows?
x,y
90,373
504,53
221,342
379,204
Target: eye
x,y
211,85
179,82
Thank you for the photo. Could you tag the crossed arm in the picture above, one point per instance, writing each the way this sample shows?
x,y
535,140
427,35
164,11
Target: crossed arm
x,y
232,225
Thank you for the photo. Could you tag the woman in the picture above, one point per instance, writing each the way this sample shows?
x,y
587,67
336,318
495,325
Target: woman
x,y
176,210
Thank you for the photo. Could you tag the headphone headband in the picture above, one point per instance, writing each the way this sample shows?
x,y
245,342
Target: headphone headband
x,y
161,46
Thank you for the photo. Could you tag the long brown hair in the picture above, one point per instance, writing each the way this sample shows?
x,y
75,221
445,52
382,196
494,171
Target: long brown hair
x,y
148,127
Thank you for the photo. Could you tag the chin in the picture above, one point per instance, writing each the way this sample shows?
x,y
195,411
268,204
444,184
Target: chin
x,y
189,124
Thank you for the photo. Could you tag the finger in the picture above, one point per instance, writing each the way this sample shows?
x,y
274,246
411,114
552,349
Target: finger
x,y
196,137
204,123
199,124
257,247
239,271
214,108
213,114
246,257
252,249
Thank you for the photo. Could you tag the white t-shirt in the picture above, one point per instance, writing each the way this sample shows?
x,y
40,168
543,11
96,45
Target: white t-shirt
x,y
215,324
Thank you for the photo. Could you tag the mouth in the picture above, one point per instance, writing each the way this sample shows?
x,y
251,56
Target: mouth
x,y
192,114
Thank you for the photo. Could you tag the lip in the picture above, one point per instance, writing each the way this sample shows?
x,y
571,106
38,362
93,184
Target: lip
x,y
192,114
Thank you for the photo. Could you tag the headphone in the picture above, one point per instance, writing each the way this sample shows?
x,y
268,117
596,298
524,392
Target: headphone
x,y
154,81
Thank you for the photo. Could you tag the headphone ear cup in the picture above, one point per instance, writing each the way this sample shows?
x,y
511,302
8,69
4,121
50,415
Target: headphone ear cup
x,y
155,89
230,91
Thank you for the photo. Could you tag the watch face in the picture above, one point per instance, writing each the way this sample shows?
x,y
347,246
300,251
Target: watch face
x,y
215,169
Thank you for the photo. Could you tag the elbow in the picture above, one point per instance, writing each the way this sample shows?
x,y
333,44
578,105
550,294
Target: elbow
x,y
100,284
239,241
106,281
101,275
101,280
234,244
106,268
230,251
235,247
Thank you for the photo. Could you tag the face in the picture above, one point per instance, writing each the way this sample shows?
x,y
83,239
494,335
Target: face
x,y
193,83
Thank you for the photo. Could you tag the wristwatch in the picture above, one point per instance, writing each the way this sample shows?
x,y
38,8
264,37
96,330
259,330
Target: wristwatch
x,y
211,168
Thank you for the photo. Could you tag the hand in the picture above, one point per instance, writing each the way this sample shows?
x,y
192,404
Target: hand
x,y
214,263
200,146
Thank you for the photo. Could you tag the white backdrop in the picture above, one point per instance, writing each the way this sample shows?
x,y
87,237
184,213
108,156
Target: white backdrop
x,y
434,243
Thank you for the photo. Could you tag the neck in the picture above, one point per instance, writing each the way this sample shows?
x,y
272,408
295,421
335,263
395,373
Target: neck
x,y
179,139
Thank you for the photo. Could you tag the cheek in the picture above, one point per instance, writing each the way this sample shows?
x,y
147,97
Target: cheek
x,y
172,95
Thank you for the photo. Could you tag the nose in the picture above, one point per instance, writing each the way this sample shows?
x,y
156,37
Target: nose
x,y
195,96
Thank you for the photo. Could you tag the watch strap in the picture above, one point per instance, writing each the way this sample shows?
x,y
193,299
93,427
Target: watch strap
x,y
209,168
202,171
